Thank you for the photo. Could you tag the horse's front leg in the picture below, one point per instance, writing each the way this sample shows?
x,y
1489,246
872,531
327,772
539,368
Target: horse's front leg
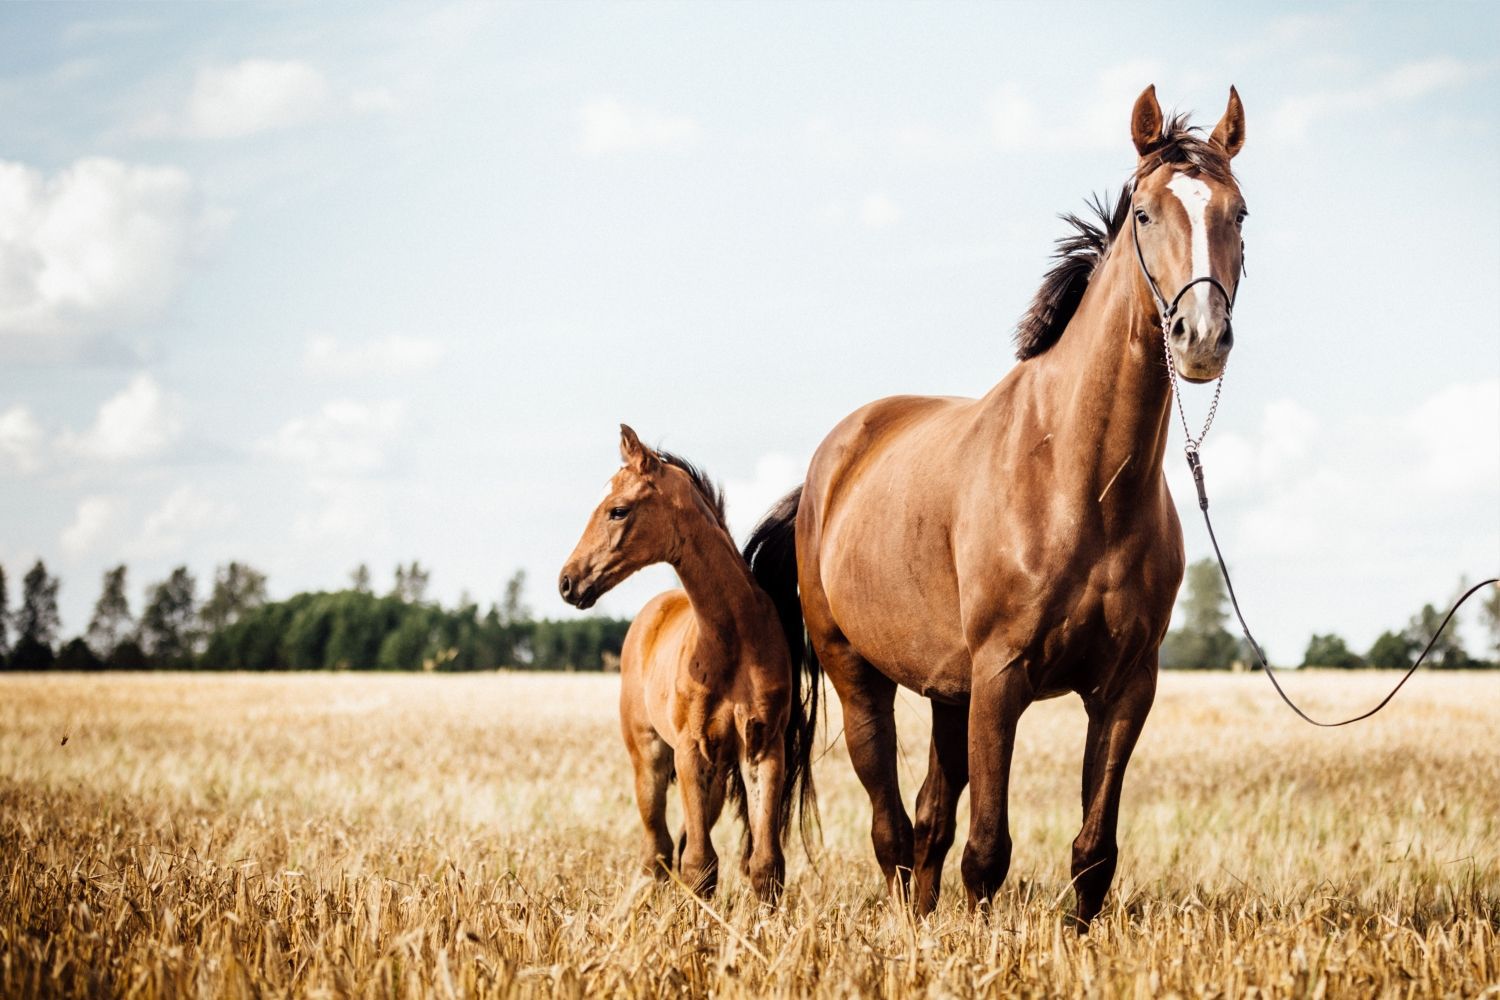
x,y
699,778
765,764
1114,726
1001,692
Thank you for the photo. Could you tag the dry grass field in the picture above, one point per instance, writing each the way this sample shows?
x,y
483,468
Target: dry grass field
x,y
410,835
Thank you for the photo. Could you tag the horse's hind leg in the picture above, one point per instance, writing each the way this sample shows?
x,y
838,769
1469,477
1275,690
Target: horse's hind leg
x,y
937,802
651,758
868,698
1114,726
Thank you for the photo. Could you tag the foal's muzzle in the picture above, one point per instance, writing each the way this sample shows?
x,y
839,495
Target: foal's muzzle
x,y
578,589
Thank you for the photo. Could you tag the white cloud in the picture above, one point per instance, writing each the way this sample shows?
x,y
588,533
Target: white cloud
x,y
20,440
878,211
97,248
254,95
1411,81
393,355
344,438
1356,520
139,422
186,514
608,125
1457,435
94,517
746,500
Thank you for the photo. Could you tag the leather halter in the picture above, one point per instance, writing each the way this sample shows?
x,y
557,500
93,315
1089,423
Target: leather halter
x,y
1169,309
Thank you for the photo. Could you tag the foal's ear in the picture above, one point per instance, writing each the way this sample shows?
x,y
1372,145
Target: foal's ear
x,y
634,454
1230,132
1145,121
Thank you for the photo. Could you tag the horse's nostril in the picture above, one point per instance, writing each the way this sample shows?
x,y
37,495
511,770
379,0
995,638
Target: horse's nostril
x,y
1227,339
1179,328
565,585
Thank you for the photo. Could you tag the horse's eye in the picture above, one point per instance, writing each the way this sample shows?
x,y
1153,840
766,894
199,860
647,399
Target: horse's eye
x,y
1239,220
618,513
1142,217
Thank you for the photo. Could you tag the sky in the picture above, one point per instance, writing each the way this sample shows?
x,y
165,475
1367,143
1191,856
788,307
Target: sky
x,y
308,286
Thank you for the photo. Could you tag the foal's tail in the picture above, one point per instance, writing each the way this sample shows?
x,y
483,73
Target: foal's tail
x,y
772,555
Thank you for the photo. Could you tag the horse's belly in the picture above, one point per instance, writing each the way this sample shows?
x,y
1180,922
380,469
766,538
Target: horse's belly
x,y
894,596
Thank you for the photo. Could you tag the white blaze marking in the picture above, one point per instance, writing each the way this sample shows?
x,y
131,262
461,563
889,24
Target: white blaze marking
x,y
1195,196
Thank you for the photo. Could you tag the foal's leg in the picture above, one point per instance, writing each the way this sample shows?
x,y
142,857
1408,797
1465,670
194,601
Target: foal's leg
x,y
651,758
702,785
1000,694
765,759
1114,726
937,802
868,698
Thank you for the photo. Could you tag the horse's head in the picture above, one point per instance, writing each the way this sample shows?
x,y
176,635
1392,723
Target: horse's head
x,y
1186,217
636,523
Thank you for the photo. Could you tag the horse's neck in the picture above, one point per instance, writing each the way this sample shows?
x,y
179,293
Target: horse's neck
x,y
717,581
1107,385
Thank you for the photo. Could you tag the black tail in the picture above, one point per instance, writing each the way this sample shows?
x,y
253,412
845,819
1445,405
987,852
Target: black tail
x,y
772,555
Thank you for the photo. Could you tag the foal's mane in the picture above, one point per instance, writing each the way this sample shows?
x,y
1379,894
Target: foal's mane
x,y
1078,253
711,492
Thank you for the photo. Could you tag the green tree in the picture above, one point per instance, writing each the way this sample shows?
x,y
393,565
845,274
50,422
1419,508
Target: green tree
x,y
1202,642
4,619
1489,617
411,583
238,588
169,624
111,623
513,604
1392,651
1448,651
1330,651
36,621
128,655
76,655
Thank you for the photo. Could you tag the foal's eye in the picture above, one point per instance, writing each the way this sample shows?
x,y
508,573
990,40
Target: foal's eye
x,y
618,513
1142,217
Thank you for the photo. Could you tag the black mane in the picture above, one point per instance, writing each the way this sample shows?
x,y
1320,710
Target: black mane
x,y
1076,256
711,492
1079,252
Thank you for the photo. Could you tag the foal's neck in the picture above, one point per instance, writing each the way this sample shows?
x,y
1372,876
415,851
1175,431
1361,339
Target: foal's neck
x,y
717,581
1109,378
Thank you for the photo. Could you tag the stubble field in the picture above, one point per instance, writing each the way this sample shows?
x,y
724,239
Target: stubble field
x,y
409,835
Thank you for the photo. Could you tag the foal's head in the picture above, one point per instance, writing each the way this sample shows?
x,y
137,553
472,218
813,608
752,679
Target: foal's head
x,y
1186,215
642,519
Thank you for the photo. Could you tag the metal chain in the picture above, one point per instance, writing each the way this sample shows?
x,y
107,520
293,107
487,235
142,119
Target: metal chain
x,y
1193,443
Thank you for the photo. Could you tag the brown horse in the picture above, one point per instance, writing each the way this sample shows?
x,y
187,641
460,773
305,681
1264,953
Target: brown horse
x,y
990,552
707,676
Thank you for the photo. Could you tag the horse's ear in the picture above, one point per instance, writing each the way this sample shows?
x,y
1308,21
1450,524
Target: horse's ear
x,y
1145,121
634,454
1229,134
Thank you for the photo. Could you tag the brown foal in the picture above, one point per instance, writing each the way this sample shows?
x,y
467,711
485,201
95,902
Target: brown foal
x,y
990,552
707,678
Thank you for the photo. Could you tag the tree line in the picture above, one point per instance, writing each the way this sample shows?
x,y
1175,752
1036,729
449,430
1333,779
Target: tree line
x,y
235,627
1204,643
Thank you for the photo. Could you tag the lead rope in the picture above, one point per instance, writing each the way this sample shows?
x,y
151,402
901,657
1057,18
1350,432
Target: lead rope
x,y
1195,463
